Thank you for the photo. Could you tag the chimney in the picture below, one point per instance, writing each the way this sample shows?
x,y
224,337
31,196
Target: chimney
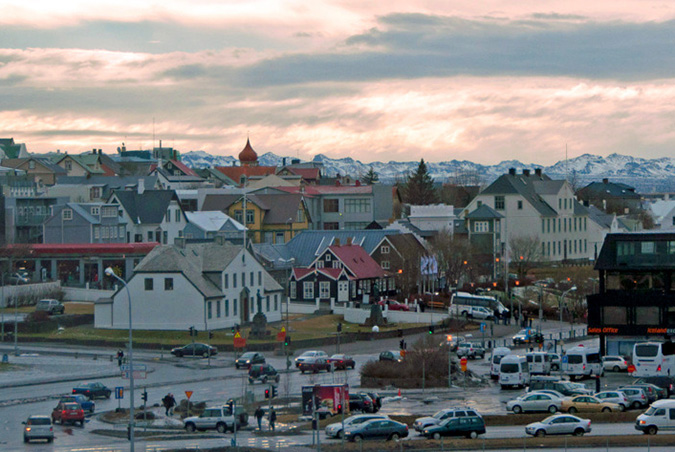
x,y
526,172
537,172
141,186
100,152
512,171
605,181
337,241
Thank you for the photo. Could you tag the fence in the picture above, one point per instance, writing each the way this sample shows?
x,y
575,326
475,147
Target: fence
x,y
27,294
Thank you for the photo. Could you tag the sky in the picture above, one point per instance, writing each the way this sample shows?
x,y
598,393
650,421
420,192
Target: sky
x,y
484,81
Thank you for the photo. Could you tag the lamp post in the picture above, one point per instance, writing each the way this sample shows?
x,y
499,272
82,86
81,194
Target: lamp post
x,y
562,301
110,272
289,266
16,320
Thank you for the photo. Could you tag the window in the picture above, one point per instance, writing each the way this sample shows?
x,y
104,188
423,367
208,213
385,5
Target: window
x,y
331,205
67,214
267,303
234,280
239,216
227,308
235,304
250,216
479,203
292,290
324,289
148,283
243,279
647,315
328,257
614,315
168,283
168,216
209,309
95,210
97,232
385,265
279,237
276,302
384,249
68,165
357,205
260,278
308,290
481,226
105,233
647,248
150,236
251,279
109,211
218,309
31,164
319,264
226,284
177,215
520,205
300,218
332,226
543,226
165,235
499,203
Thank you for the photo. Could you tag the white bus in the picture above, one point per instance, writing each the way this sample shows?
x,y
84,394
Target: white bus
x,y
461,301
652,359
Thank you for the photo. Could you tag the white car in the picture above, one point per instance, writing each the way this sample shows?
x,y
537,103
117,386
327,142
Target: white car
x,y
617,397
559,424
480,312
614,363
310,354
335,430
38,427
552,392
535,401
216,418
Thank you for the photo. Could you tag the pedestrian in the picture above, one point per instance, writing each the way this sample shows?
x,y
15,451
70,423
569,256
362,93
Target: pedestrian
x,y
172,403
120,357
272,418
597,384
530,320
166,401
401,344
259,413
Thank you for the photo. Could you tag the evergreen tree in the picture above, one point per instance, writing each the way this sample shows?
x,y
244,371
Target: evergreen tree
x,y
419,187
370,178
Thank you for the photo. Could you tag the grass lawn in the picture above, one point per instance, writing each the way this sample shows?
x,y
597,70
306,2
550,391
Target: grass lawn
x,y
301,327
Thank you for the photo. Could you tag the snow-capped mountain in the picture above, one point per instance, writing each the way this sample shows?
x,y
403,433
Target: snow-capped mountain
x,y
646,175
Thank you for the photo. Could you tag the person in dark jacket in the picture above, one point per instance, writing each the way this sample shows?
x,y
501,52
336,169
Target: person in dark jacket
x,y
272,417
259,413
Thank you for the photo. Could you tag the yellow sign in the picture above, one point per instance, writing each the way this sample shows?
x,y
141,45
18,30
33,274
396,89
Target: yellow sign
x,y
237,336
188,394
283,329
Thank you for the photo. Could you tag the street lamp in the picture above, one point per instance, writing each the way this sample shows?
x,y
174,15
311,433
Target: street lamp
x,y
289,266
110,272
562,301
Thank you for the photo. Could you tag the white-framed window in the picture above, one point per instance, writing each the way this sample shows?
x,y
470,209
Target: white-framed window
x,y
308,290
292,290
324,289
481,226
109,211
209,308
328,257
97,232
68,165
386,265
267,303
319,264
276,301
31,164
105,232
385,249
177,216
96,210
120,231
67,214
113,232
227,307
217,309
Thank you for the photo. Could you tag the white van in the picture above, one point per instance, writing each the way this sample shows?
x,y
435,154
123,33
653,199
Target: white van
x,y
497,355
539,363
580,362
659,416
514,371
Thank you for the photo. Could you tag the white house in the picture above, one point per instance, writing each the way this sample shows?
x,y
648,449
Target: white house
x,y
663,212
208,285
535,206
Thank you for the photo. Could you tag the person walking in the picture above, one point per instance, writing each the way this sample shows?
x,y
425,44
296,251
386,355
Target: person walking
x,y
166,402
172,403
272,417
120,357
259,413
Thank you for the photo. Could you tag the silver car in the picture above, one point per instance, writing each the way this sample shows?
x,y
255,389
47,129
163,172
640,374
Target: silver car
x,y
559,424
637,397
335,430
536,401
617,397
38,427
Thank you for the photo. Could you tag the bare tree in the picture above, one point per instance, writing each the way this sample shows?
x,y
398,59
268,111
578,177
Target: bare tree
x,y
525,253
453,254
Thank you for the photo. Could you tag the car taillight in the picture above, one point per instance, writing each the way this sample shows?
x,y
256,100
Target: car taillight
x,y
584,367
64,412
73,391
658,369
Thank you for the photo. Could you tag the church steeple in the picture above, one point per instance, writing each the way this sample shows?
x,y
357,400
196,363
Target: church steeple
x,y
248,157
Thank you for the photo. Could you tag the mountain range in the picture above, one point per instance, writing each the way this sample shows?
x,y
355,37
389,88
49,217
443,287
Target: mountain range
x,y
646,175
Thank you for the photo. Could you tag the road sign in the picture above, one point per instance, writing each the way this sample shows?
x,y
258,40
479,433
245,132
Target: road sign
x,y
281,335
188,394
483,326
119,392
631,368
463,362
564,359
239,342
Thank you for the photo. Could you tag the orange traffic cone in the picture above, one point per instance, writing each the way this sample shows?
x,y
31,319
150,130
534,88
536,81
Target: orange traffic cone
x,y
399,392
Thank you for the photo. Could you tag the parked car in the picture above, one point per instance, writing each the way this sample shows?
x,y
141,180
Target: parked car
x,y
667,383
263,373
391,355
470,426
377,400
617,397
614,363
527,336
652,395
196,349
310,354
335,430
422,423
548,391
361,402
18,278
555,360
587,404
637,397
661,393
471,350
480,312
559,424
535,401
68,412
50,306
659,416
566,388
85,403
377,429
314,364
217,418
342,362
93,390
394,305
248,359
38,427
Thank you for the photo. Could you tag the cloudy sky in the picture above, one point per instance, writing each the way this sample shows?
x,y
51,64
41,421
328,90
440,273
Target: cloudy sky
x,y
485,81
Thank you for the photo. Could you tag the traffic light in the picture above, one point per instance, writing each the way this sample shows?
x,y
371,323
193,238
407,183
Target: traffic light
x,y
267,393
233,330
274,391
144,396
192,331
339,327
287,341
431,329
210,334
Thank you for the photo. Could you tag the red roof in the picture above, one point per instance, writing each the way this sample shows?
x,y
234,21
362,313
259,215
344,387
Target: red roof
x,y
235,172
308,174
358,261
333,273
185,169
85,248
300,273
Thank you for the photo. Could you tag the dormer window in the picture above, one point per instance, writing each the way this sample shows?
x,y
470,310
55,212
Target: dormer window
x,y
96,210
328,257
67,214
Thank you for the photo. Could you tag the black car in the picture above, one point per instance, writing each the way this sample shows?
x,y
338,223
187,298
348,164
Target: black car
x,y
377,400
93,390
262,373
196,349
391,355
248,359
361,402
664,382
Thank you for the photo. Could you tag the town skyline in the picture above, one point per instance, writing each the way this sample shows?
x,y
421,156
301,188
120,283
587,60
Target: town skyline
x,y
484,82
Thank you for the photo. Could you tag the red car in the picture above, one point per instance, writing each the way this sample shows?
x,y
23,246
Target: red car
x,y
68,412
342,362
314,365
394,305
